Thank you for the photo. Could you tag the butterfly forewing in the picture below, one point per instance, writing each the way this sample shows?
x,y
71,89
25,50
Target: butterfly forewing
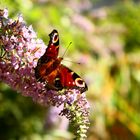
x,y
71,80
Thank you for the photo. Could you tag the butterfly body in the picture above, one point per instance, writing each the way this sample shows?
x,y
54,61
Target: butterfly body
x,y
50,70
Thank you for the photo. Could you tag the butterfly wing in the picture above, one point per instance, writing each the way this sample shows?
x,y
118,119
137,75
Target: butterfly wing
x,y
53,46
52,49
68,79
49,56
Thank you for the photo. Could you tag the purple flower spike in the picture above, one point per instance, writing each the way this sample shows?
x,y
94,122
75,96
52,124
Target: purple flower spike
x,y
20,50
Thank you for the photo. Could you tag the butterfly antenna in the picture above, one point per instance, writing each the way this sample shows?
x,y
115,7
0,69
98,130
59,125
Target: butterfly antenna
x,y
65,53
66,49
72,61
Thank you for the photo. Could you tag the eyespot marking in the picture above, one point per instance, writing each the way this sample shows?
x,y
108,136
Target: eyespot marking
x,y
55,38
79,82
57,83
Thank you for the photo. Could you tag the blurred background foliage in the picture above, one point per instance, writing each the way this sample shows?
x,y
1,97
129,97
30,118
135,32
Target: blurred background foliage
x,y
105,38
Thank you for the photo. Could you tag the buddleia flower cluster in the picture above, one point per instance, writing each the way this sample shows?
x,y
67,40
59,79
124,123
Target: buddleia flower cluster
x,y
20,50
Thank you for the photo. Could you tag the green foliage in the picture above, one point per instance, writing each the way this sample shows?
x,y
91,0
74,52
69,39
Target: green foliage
x,y
129,16
16,119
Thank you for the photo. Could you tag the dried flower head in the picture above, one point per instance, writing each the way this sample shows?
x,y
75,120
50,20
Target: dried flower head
x,y
20,50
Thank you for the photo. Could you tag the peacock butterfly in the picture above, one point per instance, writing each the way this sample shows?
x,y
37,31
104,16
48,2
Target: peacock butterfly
x,y
50,70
